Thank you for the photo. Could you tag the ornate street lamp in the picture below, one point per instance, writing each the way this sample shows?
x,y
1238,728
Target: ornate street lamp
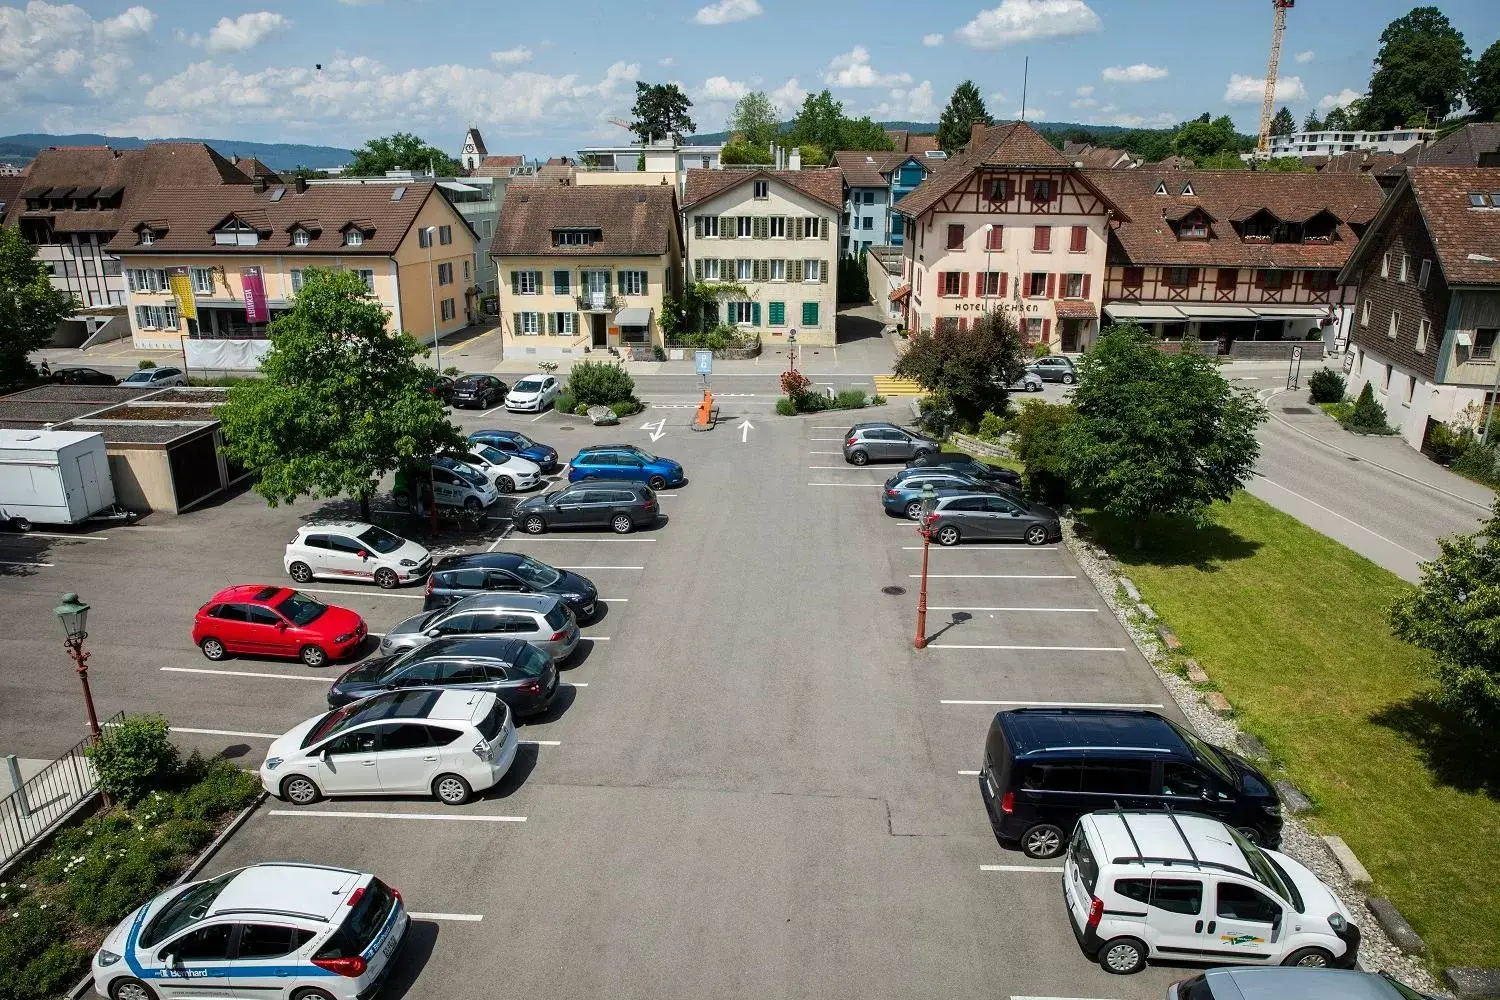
x,y
924,527
74,615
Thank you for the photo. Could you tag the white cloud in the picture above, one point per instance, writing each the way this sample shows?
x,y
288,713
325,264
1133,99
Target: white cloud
x,y
908,103
48,50
788,97
853,69
246,31
1342,99
1306,57
1032,114
727,12
133,23
509,57
1085,102
997,98
932,41
1137,73
1085,90
1252,89
1029,20
721,88
1108,116
666,61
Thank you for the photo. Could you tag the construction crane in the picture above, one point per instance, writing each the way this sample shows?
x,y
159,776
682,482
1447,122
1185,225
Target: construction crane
x,y
1263,146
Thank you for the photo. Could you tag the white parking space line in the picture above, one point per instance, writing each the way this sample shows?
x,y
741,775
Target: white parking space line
x,y
1092,611
615,600
538,416
213,732
32,564
1043,869
43,534
992,576
248,673
597,638
557,743
825,453
858,486
424,915
361,814
575,684
601,567
363,593
849,468
969,774
1033,649
829,427
1051,704
1054,998
825,439
984,548
582,541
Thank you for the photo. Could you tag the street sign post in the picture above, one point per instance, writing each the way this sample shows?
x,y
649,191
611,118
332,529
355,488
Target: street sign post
x,y
704,361
1294,367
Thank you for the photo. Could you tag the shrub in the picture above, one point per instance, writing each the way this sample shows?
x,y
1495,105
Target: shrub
x,y
1368,416
1041,351
104,888
600,382
625,407
1326,386
659,353
1446,443
849,399
581,410
1477,462
452,371
1039,428
218,787
812,402
143,365
991,427
135,757
30,946
877,400
566,402
785,407
794,382
49,973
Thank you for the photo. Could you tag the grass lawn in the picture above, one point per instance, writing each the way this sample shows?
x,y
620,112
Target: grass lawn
x,y
1292,628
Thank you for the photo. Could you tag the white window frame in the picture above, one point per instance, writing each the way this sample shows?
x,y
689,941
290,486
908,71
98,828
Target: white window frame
x,y
424,238
710,269
367,275
777,270
531,324
354,238
1402,274
565,327
1424,331
296,280
744,227
812,270
301,238
741,313
762,190
778,227
445,235
203,280
1385,265
744,269
1364,313
1395,325
147,237
710,225
1069,281
447,311
531,277
810,228
633,282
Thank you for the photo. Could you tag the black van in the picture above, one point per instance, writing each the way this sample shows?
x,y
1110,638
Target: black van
x,y
1045,767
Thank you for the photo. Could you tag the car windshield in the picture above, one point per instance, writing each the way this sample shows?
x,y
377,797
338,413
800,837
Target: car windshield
x,y
411,704
468,475
522,441
535,573
299,609
1210,755
644,456
189,907
140,376
472,382
532,662
494,455
381,541
528,385
1265,871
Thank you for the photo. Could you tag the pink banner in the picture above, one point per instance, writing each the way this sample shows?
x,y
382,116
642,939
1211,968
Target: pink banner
x,y
255,295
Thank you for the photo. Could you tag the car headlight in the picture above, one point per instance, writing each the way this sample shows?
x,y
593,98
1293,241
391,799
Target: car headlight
x,y
408,562
272,763
345,637
1337,922
106,957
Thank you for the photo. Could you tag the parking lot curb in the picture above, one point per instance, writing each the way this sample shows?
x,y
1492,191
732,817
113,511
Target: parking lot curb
x,y
1216,701
1401,933
1347,860
1470,983
1292,797
1195,673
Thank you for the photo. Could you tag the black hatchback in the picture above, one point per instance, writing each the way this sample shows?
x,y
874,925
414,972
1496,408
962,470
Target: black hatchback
x,y
480,391
590,503
971,467
455,577
520,674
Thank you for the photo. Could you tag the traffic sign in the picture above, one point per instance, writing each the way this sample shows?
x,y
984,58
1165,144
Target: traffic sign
x,y
705,360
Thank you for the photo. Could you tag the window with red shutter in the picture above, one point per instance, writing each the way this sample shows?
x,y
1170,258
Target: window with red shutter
x,y
1003,286
997,238
1227,279
1135,277
979,284
1086,286
955,237
963,284
1051,285
1041,239
963,322
1036,284
1080,239
951,283
1046,330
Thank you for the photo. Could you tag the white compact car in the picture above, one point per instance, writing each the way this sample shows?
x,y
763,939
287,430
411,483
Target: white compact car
x,y
506,472
449,743
273,930
533,394
351,550
1181,887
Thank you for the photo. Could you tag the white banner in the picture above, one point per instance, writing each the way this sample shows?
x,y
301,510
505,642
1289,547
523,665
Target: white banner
x,y
226,355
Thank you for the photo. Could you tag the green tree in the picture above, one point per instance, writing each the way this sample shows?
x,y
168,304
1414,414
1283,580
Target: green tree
x,y
1157,433
970,368
401,151
1286,165
1283,123
965,107
755,118
864,134
1039,443
1455,614
1484,87
30,308
660,111
820,122
743,152
813,155
1198,140
1312,123
1422,69
1224,159
1337,120
342,403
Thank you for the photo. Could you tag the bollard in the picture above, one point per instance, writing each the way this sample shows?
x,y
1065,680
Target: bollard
x,y
11,765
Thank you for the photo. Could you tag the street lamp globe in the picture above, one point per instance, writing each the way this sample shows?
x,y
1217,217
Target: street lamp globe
x,y
929,499
74,615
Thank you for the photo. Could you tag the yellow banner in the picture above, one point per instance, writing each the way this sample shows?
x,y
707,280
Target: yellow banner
x,y
182,289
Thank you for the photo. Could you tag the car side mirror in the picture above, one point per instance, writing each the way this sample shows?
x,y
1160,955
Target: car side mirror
x,y
168,957
363,554
433,633
281,626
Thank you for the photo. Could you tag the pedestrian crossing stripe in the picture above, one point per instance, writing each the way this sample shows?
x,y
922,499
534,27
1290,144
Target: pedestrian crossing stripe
x,y
890,385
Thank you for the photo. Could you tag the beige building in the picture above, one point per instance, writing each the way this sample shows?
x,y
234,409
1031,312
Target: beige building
x,y
584,268
775,233
413,249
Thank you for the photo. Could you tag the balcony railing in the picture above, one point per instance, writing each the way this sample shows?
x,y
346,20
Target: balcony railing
x,y
598,302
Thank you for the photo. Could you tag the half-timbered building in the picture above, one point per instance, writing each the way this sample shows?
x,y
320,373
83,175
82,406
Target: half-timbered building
x,y
1009,223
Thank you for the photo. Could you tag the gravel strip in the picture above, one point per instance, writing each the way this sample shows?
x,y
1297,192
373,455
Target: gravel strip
x,y
1376,952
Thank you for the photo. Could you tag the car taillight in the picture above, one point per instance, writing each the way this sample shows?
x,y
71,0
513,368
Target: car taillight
x,y
482,750
1096,911
850,442
356,896
1008,803
891,491
353,966
535,687
396,893
430,579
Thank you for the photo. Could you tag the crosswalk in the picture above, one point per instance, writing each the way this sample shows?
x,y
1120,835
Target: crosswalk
x,y
890,385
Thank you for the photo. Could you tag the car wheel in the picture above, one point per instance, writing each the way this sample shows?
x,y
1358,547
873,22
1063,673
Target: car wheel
x,y
859,458
1043,841
1123,956
472,503
451,790
622,524
914,510
386,578
535,525
948,535
505,484
1067,378
1250,833
1036,535
313,993
21,524
130,988
657,482
213,649
922,453
300,790
1309,958
313,656
301,572
1034,386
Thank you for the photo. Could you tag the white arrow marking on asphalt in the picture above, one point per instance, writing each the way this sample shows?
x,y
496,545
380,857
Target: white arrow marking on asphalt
x,y
657,429
745,428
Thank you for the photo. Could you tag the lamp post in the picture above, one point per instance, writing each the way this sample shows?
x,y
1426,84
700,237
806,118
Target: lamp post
x,y
929,503
74,614
431,233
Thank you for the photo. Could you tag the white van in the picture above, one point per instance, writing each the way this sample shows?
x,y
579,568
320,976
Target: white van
x,y
1169,886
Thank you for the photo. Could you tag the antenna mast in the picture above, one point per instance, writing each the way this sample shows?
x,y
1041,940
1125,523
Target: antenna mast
x,y
1263,146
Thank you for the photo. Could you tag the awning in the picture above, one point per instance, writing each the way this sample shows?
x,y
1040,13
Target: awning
x,y
1068,309
901,292
460,188
1214,311
633,316
1292,312
1464,340
1143,310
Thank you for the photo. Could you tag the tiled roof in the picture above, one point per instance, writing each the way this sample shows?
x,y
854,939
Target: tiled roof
x,y
864,170
1014,144
192,213
1355,161
1170,163
253,168
905,142
497,166
634,220
821,184
10,190
1226,196
1463,147
1074,309
1460,233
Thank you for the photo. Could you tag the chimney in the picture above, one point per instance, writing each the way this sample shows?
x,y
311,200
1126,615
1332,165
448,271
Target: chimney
x,y
975,130
258,185
300,184
794,161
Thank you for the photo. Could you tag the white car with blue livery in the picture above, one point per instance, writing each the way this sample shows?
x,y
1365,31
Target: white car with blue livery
x,y
282,929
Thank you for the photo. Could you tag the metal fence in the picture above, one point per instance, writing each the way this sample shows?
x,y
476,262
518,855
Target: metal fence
x,y
27,812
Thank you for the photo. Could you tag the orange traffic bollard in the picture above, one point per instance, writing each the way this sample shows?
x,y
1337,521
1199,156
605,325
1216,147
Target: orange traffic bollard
x,y
707,414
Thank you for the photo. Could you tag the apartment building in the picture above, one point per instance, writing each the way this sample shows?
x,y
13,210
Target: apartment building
x,y
1333,142
772,233
873,184
1009,224
585,268
208,268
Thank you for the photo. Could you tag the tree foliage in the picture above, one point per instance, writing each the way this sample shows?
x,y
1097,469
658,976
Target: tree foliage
x,y
1157,433
1312,123
1040,435
660,111
971,368
401,151
1421,71
1286,165
821,122
1336,120
743,152
30,308
342,403
1285,124
1484,87
965,107
1200,139
755,119
1455,614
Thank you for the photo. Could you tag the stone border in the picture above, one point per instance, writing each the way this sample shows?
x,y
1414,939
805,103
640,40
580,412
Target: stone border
x,y
976,446
1377,950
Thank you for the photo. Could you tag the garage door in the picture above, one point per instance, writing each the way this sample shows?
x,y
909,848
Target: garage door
x,y
195,469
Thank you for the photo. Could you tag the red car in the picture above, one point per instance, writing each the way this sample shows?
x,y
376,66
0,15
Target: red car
x,y
275,621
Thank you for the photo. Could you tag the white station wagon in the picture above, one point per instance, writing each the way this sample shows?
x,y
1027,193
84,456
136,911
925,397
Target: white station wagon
x,y
351,550
269,930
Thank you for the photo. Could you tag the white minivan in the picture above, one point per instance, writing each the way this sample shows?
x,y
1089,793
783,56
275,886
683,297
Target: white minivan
x,y
1172,886
351,550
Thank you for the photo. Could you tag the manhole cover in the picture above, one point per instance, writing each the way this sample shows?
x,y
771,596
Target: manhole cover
x,y
565,427
1295,409
893,590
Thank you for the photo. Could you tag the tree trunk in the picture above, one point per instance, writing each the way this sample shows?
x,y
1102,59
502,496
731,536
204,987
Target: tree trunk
x,y
364,509
1140,534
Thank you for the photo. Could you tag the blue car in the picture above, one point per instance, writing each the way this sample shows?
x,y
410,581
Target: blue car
x,y
516,443
902,495
625,461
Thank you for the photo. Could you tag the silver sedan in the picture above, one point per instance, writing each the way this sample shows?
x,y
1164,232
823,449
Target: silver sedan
x,y
540,619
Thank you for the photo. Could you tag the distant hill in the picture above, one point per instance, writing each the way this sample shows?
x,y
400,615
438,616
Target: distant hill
x,y
20,149
930,128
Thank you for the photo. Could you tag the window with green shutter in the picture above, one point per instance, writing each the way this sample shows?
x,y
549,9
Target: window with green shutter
x,y
809,314
726,227
778,313
762,227
560,282
755,314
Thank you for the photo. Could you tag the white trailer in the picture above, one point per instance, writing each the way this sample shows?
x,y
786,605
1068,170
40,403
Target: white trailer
x,y
52,477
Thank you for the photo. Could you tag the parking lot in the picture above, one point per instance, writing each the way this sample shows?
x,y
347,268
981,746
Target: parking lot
x,y
752,786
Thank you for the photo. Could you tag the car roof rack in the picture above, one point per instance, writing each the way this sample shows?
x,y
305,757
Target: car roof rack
x,y
1128,831
275,913
1183,834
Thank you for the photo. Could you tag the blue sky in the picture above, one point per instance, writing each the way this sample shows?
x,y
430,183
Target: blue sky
x,y
540,84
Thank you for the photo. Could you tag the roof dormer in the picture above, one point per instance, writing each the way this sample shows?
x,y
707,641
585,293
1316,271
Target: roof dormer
x,y
304,231
357,232
148,232
235,231
1187,190
1161,188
